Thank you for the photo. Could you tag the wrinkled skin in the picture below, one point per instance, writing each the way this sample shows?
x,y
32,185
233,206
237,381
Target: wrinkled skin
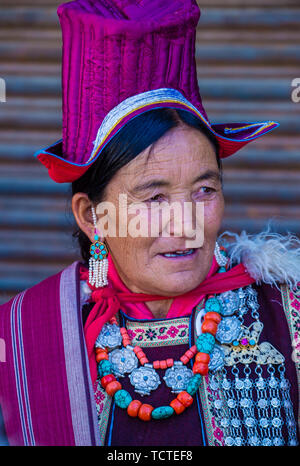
x,y
178,158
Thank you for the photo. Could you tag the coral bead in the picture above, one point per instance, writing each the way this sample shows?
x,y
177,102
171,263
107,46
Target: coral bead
x,y
209,326
202,357
156,364
200,368
133,408
145,411
101,355
215,316
193,349
184,359
185,398
170,362
113,387
163,365
177,406
107,379
144,360
189,354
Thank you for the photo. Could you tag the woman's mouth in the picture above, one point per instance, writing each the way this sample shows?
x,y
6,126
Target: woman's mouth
x,y
179,254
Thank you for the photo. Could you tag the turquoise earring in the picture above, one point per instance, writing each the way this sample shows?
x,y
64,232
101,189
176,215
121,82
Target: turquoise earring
x,y
98,263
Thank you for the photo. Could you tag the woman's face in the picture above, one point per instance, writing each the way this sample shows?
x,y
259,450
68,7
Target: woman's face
x,y
181,167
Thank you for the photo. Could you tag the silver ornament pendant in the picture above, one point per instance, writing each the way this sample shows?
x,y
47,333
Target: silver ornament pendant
x,y
229,329
230,303
217,359
144,379
123,361
109,337
177,377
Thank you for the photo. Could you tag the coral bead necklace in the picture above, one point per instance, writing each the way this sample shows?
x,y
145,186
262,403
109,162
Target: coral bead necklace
x,y
146,412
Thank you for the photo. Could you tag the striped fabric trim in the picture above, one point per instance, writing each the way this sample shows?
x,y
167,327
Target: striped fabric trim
x,y
261,127
135,103
166,332
81,393
145,100
20,370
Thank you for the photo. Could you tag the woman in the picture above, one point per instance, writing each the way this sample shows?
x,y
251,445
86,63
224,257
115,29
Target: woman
x,y
153,339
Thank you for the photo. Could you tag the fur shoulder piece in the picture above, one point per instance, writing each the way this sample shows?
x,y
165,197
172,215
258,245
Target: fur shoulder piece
x,y
268,257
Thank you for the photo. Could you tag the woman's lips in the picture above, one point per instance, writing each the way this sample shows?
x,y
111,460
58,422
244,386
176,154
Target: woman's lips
x,y
188,255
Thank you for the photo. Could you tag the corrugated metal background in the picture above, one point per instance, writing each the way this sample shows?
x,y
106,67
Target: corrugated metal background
x,y
248,53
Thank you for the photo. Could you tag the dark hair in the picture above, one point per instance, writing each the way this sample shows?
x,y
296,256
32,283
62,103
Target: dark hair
x,y
138,134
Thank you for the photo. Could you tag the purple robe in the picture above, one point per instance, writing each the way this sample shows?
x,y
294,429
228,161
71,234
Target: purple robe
x,y
46,393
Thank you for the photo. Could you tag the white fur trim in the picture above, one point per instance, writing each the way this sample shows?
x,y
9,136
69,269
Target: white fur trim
x,y
268,257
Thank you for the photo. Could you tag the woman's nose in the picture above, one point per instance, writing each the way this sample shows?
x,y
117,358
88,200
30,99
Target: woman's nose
x,y
185,219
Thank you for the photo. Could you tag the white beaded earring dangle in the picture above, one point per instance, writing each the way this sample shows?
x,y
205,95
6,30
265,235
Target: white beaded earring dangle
x,y
221,256
98,263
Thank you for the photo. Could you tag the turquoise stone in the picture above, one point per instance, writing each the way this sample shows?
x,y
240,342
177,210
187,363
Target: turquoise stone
x,y
104,368
96,237
222,270
194,384
213,305
205,343
162,412
122,398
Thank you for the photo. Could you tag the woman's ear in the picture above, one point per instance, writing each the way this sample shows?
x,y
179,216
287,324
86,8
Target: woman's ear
x,y
82,210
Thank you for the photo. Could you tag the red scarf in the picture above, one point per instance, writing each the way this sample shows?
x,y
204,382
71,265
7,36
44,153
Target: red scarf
x,y
108,300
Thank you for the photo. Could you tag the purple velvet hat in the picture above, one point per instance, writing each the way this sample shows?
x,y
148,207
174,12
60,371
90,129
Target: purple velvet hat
x,y
122,58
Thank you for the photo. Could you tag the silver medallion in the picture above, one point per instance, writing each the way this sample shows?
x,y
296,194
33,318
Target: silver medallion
x,y
123,361
229,329
144,379
109,337
177,377
217,358
252,299
230,303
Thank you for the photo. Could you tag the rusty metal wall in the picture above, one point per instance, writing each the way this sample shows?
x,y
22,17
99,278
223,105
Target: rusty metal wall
x,y
248,53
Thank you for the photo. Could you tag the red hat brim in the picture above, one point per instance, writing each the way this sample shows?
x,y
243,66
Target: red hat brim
x,y
231,137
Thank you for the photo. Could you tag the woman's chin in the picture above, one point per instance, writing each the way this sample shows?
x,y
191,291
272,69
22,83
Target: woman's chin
x,y
177,277
179,284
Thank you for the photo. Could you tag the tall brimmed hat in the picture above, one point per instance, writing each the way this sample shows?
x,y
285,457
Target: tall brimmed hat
x,y
122,58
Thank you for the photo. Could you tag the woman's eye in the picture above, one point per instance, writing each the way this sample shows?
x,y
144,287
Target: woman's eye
x,y
205,191
156,198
